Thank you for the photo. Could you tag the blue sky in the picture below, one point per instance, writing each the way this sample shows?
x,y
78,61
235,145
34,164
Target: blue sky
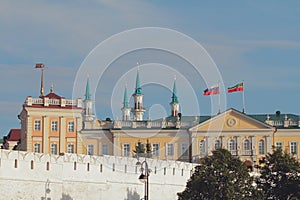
x,y
254,41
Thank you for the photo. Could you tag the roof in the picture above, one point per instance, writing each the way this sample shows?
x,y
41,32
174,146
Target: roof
x,y
52,95
14,135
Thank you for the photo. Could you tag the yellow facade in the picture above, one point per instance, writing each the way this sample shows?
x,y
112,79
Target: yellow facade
x,y
50,125
245,136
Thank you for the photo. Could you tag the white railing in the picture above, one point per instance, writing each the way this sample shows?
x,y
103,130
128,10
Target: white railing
x,y
38,101
58,102
70,102
54,102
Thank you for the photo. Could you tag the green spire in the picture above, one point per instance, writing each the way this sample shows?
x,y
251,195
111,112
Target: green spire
x,y
174,96
88,91
125,102
138,89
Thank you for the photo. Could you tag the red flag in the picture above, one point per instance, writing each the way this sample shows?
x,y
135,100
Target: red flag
x,y
39,65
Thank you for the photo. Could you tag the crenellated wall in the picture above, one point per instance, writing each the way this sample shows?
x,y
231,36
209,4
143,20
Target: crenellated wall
x,y
26,175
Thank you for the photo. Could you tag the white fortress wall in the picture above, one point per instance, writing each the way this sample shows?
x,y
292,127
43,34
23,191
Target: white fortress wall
x,y
24,175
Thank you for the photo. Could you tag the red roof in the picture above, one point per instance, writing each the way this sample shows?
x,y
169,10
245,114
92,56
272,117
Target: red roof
x,y
52,95
14,135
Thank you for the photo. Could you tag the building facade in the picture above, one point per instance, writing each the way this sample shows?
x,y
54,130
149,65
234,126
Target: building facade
x,y
190,138
50,124
53,124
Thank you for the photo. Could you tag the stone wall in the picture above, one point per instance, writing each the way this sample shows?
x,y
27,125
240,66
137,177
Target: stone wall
x,y
25,175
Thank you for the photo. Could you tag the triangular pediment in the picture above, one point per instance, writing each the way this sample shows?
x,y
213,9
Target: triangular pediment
x,y
231,120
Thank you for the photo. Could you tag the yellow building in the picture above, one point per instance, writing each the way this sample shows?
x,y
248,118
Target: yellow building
x,y
190,138
50,124
53,124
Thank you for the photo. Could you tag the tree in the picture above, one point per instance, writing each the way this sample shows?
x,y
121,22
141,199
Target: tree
x,y
280,176
220,176
141,151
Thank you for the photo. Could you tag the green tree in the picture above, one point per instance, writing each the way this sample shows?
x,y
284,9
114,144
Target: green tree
x,y
220,176
142,151
280,176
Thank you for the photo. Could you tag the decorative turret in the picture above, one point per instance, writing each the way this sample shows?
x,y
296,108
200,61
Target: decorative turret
x,y
88,103
174,103
138,110
126,108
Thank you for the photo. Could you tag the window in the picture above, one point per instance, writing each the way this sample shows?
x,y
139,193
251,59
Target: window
x,y
279,145
70,148
71,126
294,147
217,144
90,149
105,149
37,125
37,148
54,126
184,149
202,147
170,149
232,146
261,147
247,145
155,149
126,150
53,148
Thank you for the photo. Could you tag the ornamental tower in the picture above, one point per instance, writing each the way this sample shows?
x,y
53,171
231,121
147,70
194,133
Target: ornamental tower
x,y
138,110
126,108
174,103
88,103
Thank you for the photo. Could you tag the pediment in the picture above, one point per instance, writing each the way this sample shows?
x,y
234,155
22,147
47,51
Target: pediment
x,y
231,120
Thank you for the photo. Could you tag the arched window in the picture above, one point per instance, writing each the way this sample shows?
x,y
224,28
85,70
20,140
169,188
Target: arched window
x,y
247,145
217,144
232,145
261,147
202,147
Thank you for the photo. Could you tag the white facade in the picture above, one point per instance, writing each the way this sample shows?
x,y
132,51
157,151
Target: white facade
x,y
27,175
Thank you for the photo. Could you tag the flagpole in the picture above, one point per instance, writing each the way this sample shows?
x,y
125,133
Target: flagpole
x,y
243,97
219,98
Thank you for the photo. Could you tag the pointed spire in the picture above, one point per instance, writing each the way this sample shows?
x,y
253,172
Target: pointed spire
x,y
138,89
174,96
125,102
88,90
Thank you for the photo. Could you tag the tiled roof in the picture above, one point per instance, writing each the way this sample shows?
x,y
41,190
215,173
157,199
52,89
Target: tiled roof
x,y
14,135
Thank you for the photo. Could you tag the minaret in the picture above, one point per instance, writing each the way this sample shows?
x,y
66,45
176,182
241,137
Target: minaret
x,y
138,110
88,103
174,103
126,108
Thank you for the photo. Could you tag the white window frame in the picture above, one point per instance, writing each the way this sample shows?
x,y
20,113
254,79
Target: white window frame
x,y
54,126
104,149
218,144
37,125
71,126
294,147
90,149
53,148
202,147
232,145
279,145
71,148
156,149
247,145
261,146
184,149
170,149
126,149
37,147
